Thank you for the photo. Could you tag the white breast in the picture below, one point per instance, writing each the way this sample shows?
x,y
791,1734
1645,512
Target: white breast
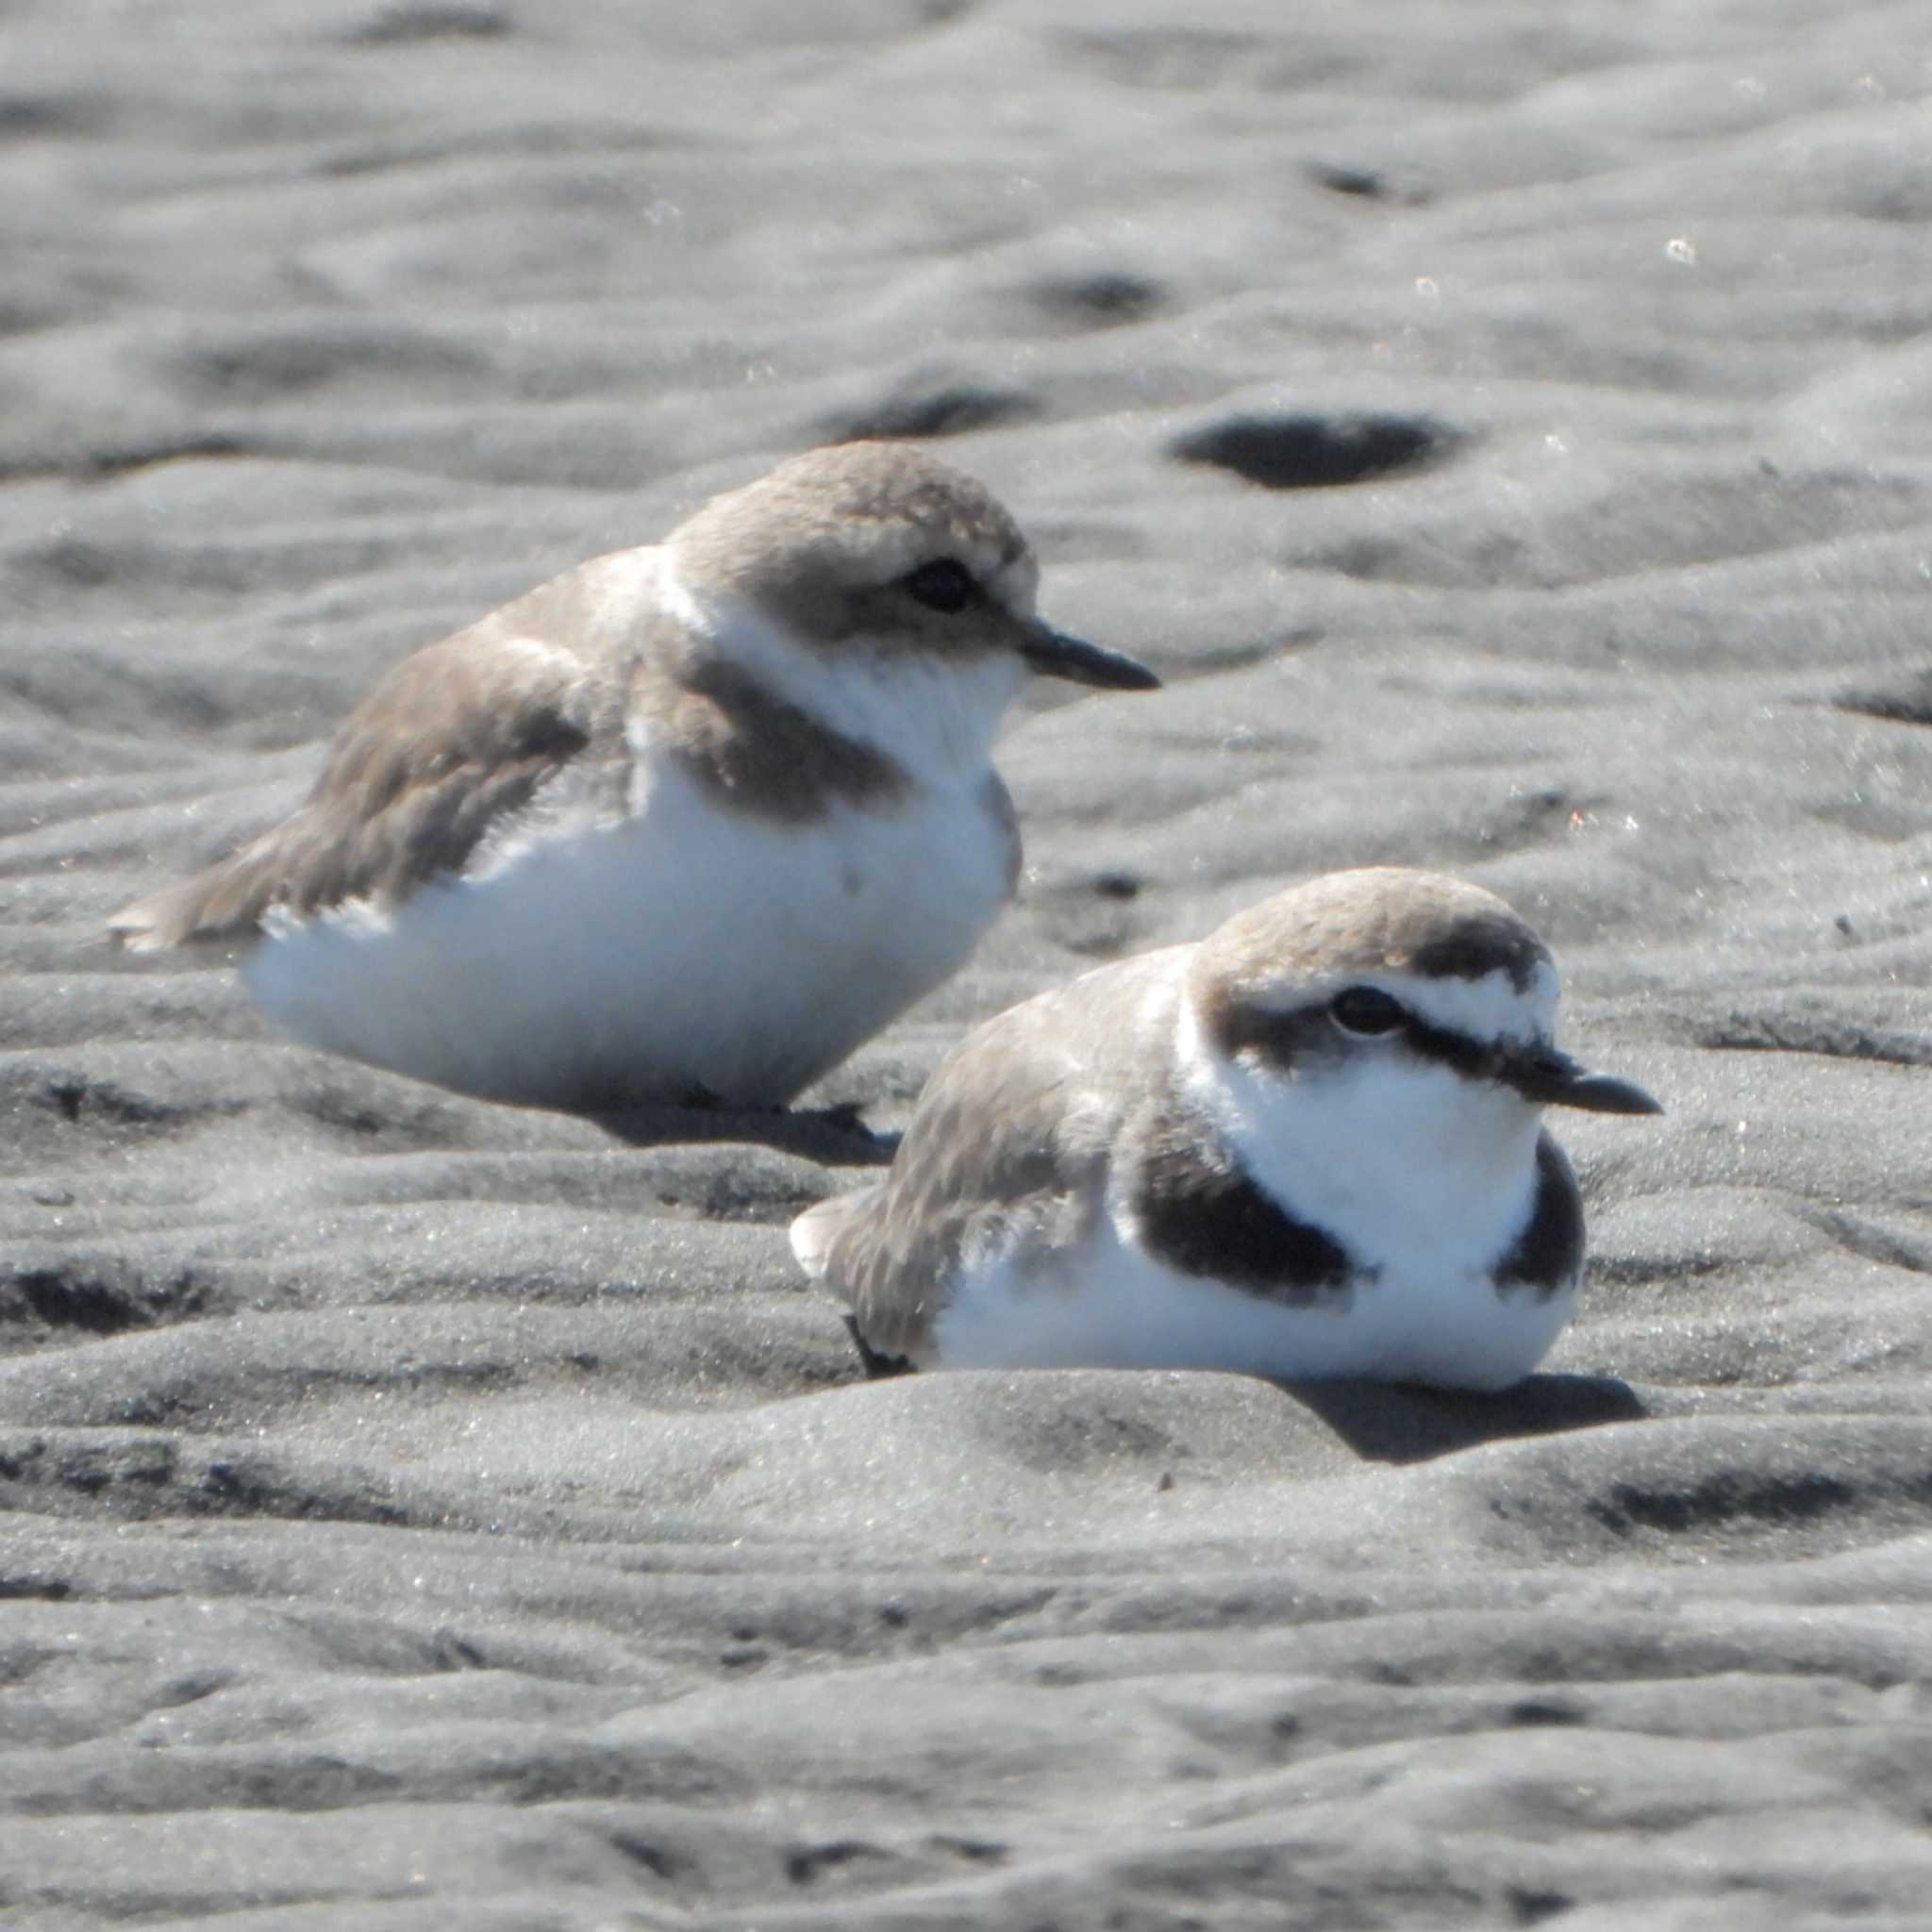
x,y
1109,1303
682,947
1425,1181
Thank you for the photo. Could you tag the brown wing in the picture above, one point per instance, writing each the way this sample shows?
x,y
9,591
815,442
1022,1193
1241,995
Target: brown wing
x,y
1011,1138
456,736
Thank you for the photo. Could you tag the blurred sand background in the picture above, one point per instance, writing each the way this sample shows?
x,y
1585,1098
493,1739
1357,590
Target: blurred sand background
x,y
1507,426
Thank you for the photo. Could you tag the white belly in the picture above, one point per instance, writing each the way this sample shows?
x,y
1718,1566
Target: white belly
x,y
679,950
1108,1304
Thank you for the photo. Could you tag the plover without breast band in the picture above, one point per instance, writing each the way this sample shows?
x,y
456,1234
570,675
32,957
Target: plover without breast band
x,y
692,820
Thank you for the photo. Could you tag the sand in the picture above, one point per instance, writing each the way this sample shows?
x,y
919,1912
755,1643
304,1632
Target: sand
x,y
1507,429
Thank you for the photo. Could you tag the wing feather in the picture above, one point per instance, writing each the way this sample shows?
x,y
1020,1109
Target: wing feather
x,y
456,737
1010,1146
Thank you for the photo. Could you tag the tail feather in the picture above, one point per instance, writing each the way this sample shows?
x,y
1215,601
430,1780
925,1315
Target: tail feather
x,y
223,905
815,1230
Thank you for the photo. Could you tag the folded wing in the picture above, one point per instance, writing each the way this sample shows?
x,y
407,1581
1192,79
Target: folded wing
x,y
456,737
1006,1153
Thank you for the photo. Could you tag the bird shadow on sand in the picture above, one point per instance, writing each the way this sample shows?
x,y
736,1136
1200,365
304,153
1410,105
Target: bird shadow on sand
x,y
832,1136
1396,1422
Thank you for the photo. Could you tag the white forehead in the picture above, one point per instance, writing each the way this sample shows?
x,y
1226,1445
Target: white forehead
x,y
1015,584
1489,1007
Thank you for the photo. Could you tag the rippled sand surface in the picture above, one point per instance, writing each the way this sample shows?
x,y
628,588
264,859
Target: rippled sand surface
x,y
1507,429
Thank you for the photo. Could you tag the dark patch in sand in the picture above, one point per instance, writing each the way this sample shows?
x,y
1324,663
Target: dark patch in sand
x,y
956,409
1315,452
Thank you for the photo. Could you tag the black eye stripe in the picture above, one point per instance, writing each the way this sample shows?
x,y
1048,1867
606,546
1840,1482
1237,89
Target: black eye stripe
x,y
1473,1060
1307,1037
944,585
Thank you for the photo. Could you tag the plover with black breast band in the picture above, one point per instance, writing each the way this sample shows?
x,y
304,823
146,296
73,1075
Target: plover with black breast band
x,y
1310,1146
689,822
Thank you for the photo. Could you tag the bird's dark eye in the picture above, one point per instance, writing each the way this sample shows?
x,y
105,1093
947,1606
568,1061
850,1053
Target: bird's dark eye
x,y
944,584
1365,1009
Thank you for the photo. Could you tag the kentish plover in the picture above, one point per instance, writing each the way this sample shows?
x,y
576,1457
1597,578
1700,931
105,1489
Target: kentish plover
x,y
1311,1145
690,821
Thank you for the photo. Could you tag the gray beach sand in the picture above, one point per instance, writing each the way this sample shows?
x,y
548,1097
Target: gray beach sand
x,y
1507,430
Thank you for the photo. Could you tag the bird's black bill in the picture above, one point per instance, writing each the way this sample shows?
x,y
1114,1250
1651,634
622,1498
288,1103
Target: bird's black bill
x,y
1553,1079
1602,1094
1054,654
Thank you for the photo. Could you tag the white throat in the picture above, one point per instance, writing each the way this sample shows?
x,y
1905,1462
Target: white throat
x,y
934,717
1402,1161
